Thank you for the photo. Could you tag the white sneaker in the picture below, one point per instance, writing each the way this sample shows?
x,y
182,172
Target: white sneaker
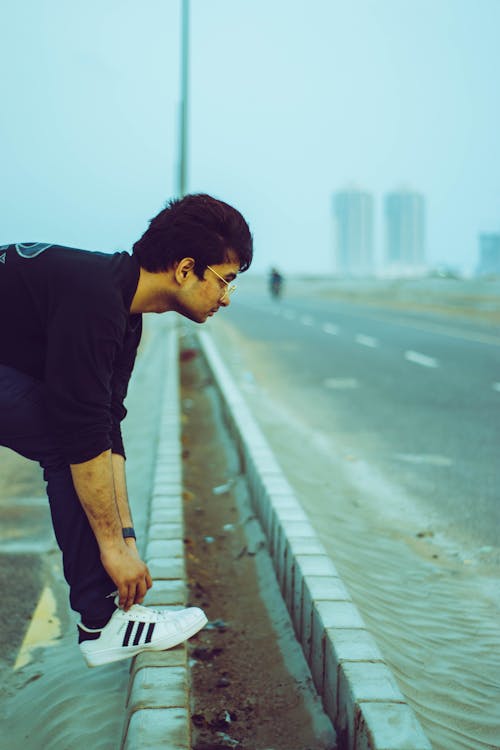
x,y
139,629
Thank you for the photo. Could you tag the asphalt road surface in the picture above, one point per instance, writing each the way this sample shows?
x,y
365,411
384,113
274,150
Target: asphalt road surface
x,y
415,395
386,422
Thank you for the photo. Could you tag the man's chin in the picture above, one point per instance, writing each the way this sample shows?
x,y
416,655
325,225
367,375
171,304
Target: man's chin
x,y
195,317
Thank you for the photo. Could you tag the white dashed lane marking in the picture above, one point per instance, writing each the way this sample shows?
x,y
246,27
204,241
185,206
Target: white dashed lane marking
x,y
496,387
366,340
340,383
421,359
430,459
306,320
330,328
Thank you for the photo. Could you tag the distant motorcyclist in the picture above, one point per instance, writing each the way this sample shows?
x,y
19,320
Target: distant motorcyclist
x,y
275,283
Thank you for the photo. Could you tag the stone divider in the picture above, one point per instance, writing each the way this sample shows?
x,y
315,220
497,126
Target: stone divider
x,y
157,713
359,692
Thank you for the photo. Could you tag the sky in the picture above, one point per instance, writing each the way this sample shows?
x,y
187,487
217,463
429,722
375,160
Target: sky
x,y
289,102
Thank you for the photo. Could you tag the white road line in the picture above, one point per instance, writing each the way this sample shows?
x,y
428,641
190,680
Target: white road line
x,y
44,628
430,459
421,359
366,340
496,386
306,320
289,314
330,328
341,383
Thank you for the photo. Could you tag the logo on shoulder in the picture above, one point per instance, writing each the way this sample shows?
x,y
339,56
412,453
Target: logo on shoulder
x,y
31,249
3,257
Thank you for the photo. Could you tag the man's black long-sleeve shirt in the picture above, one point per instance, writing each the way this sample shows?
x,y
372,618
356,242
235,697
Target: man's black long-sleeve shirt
x,y
65,319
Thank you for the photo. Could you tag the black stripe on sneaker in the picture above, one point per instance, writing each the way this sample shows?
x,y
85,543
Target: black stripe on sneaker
x,y
149,634
128,633
138,633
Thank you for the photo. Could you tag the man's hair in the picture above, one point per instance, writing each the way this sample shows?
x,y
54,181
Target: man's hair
x,y
199,227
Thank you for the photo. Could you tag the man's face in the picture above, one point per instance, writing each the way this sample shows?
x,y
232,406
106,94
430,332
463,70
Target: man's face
x,y
199,299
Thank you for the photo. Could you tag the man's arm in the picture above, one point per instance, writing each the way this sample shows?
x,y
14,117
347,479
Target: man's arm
x,y
121,495
120,485
99,493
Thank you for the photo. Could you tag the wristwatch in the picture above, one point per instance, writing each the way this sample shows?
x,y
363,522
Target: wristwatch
x,y
128,532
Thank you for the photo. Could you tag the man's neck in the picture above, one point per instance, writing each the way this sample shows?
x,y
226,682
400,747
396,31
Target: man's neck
x,y
152,294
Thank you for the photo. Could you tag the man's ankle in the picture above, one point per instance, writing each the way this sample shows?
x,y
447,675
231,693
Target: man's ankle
x,y
97,623
90,629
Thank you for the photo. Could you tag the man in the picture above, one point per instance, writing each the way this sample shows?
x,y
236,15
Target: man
x,y
71,324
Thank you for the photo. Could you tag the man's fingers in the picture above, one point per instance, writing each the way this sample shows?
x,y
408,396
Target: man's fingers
x,y
140,592
123,594
132,579
130,597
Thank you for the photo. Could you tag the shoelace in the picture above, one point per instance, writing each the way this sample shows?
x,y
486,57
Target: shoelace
x,y
137,611
149,610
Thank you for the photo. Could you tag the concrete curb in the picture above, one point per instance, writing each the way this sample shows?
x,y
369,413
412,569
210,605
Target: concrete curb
x,y
157,713
358,690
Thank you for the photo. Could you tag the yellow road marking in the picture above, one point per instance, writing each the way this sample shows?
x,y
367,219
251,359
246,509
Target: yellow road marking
x,y
44,628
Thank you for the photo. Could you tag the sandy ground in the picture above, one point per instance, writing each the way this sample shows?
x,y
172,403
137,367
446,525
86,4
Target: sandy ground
x,y
251,686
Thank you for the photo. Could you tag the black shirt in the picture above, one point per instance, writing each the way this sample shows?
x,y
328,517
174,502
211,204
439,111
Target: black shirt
x,y
65,319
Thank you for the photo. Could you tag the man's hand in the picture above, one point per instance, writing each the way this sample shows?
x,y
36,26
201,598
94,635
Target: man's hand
x,y
128,572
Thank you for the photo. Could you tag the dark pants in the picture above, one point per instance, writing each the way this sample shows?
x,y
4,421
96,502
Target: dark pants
x,y
24,429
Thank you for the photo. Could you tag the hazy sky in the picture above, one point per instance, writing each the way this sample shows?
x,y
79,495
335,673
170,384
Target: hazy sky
x,y
290,101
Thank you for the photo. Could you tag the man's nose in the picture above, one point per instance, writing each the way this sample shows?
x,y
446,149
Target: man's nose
x,y
225,300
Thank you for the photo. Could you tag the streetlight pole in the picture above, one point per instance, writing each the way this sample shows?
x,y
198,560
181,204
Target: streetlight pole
x,y
183,124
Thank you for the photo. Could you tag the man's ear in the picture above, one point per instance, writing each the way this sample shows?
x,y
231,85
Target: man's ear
x,y
183,269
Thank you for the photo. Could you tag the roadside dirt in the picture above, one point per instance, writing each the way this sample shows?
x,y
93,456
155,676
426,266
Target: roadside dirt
x,y
244,695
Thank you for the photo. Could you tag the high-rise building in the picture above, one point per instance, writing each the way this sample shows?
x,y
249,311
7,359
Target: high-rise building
x,y
489,253
405,231
353,213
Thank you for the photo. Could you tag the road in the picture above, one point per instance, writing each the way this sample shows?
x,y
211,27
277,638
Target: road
x,y
416,396
387,424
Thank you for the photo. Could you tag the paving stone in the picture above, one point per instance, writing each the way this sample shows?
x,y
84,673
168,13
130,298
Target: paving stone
x,y
277,502
167,488
172,514
389,726
282,531
158,687
166,501
167,592
152,729
173,657
326,614
165,531
344,644
358,683
165,548
166,568
314,589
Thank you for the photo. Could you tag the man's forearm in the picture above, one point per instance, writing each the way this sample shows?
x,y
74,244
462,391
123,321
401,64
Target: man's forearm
x,y
98,482
95,486
120,484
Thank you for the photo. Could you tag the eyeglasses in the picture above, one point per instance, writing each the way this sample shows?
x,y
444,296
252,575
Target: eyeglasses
x,y
230,288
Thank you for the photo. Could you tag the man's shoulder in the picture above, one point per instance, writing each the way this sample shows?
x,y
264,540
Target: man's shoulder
x,y
51,253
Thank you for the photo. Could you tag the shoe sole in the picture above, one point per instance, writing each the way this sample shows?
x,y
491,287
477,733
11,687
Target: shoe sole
x,y
109,655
